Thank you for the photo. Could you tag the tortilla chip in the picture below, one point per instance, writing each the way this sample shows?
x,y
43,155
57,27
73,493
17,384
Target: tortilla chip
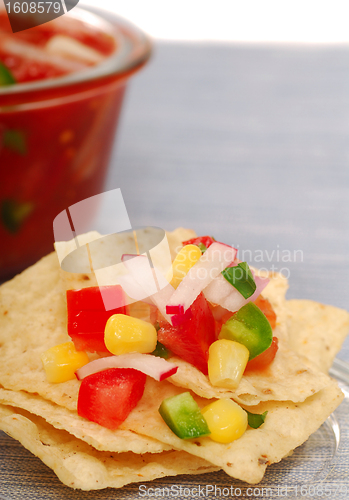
x,y
79,465
287,426
317,331
33,319
287,378
93,434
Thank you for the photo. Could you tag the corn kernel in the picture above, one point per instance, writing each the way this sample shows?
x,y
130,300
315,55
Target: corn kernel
x,y
226,420
61,362
227,361
125,334
185,259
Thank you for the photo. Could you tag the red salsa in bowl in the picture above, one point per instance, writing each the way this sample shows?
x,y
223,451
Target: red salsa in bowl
x,y
61,90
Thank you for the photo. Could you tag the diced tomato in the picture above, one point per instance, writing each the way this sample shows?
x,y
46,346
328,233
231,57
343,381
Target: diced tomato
x,y
109,396
144,311
26,70
87,316
40,35
94,297
90,342
205,240
264,359
266,308
220,315
191,339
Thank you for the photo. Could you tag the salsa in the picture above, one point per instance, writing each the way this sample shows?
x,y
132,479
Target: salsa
x,y
52,49
55,141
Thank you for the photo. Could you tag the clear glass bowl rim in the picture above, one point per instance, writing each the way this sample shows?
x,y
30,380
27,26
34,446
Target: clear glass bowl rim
x,y
134,52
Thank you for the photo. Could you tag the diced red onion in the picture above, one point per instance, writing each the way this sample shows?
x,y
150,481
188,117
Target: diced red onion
x,y
221,292
133,289
216,258
151,280
179,309
154,366
178,319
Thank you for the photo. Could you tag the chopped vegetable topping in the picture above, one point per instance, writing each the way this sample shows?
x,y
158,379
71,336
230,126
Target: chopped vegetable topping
x,y
191,339
267,309
183,416
250,327
140,335
155,367
226,420
125,334
241,278
185,259
263,360
61,362
109,396
226,363
210,265
161,351
203,240
202,247
87,315
255,420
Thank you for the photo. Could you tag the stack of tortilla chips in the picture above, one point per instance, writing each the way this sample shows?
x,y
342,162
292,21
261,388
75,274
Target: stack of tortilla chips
x,y
296,391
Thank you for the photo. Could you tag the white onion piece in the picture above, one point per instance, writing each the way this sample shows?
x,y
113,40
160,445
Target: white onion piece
x,y
222,293
66,46
133,289
151,280
155,367
36,54
216,258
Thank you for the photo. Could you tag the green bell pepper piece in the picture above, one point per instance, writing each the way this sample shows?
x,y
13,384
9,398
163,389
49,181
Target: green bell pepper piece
x,y
161,351
241,278
255,420
183,416
250,327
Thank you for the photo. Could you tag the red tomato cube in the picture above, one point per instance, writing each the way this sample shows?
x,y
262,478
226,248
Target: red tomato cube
x,y
191,339
107,397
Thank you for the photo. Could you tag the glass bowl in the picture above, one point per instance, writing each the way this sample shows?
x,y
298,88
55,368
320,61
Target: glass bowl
x,y
59,136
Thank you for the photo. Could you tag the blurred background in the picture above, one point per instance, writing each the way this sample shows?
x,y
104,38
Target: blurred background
x,y
238,127
310,21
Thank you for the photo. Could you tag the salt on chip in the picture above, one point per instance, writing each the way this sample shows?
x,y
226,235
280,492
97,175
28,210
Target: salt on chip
x,y
79,465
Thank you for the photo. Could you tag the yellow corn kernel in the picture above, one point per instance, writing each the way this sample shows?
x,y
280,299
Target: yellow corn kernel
x,y
227,361
125,334
61,362
185,259
226,420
